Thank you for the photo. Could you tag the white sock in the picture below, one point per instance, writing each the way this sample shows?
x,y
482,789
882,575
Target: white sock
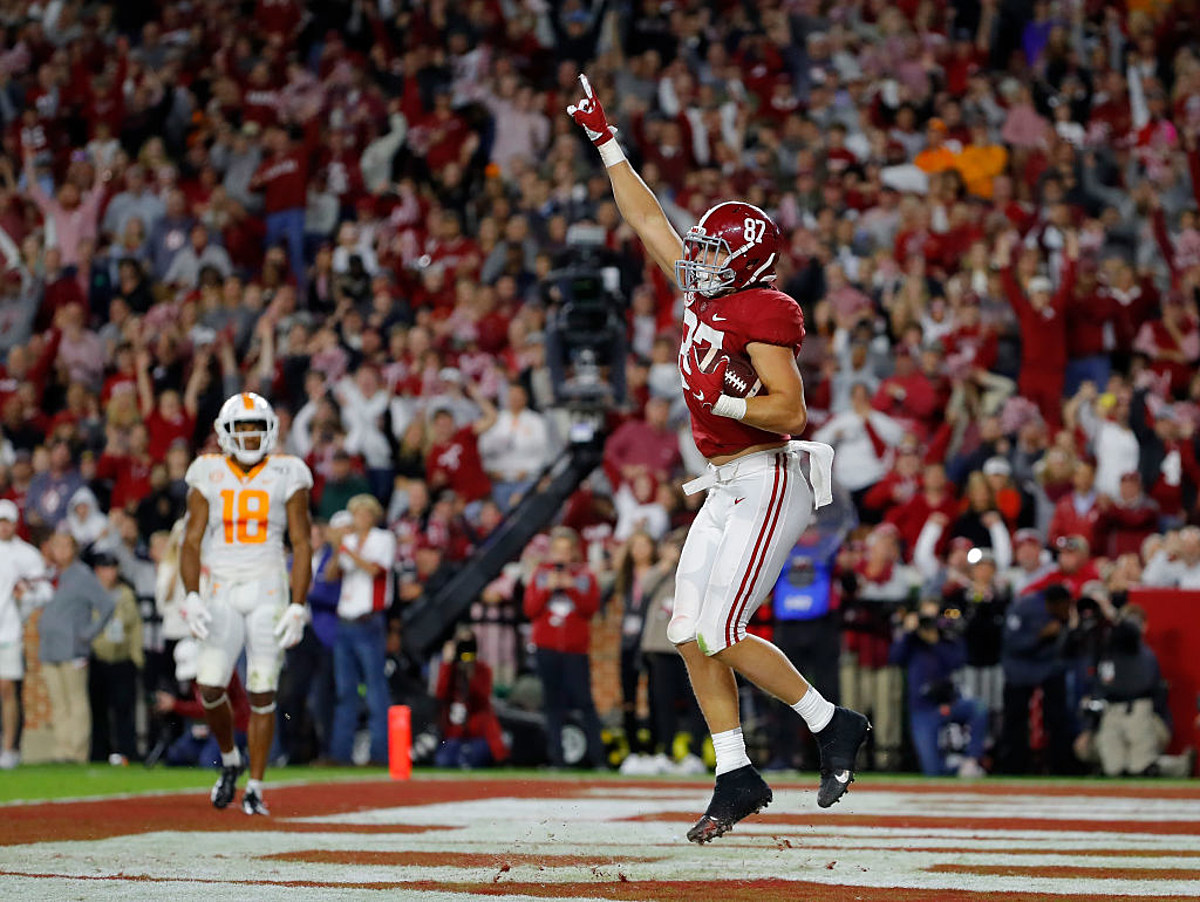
x,y
254,786
730,749
231,759
815,710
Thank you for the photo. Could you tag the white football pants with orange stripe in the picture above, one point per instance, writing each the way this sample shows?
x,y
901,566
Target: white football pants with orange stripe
x,y
756,510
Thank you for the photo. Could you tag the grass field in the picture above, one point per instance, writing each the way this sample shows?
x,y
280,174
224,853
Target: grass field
x,y
352,834
45,782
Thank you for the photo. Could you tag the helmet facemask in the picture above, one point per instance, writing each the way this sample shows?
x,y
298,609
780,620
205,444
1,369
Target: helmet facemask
x,y
235,441
704,268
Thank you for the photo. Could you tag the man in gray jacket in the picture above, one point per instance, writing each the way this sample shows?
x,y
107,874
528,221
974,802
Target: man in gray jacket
x,y
76,613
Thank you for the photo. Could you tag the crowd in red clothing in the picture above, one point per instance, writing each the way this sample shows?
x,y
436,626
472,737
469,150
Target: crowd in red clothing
x,y
989,214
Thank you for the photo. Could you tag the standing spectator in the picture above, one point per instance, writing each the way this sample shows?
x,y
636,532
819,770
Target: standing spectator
x,y
1035,657
875,583
982,603
22,583
560,600
364,401
72,216
50,491
199,253
342,484
932,657
1031,561
117,657
452,460
1177,563
515,449
137,201
77,613
365,557
862,437
1127,520
1041,312
307,679
1078,513
637,580
648,444
282,177
1075,567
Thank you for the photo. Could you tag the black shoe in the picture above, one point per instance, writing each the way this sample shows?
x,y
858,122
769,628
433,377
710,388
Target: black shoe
x,y
839,743
738,794
252,803
225,787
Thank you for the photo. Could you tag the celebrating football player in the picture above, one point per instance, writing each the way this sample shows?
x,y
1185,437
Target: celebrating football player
x,y
738,331
239,504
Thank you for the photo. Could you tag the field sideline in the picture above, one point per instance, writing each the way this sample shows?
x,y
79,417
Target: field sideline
x,y
344,833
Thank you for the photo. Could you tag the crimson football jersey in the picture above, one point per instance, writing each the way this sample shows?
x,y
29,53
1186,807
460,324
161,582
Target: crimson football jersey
x,y
726,325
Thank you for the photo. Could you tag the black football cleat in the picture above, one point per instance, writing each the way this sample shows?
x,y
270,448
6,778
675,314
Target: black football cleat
x,y
839,743
737,794
225,787
252,803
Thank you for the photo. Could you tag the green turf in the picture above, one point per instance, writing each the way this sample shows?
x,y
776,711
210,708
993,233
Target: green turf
x,y
39,782
44,782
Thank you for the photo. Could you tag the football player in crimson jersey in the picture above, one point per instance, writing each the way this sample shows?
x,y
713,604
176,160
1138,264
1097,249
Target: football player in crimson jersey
x,y
759,499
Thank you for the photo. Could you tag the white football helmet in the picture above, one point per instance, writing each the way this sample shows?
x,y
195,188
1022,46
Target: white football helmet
x,y
247,407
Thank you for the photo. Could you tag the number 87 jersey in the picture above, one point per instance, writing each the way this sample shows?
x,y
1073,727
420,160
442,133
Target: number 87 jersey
x,y
247,511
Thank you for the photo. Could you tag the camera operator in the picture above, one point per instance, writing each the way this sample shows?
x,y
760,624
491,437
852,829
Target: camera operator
x,y
560,600
1134,722
932,652
471,735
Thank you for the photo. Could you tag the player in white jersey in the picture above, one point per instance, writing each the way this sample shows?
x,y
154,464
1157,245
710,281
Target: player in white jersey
x,y
239,505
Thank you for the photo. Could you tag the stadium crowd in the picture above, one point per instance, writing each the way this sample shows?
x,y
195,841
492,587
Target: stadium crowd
x,y
990,212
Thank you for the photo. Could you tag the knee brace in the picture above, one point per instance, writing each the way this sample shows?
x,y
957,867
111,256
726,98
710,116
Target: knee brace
x,y
216,703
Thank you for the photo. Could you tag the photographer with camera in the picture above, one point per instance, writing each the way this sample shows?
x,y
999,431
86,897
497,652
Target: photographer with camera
x,y
1131,699
471,735
932,653
560,600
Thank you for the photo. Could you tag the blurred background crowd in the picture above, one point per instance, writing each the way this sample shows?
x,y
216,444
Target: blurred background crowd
x,y
352,207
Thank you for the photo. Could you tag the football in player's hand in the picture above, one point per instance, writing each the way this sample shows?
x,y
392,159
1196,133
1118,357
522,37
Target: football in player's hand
x,y
741,381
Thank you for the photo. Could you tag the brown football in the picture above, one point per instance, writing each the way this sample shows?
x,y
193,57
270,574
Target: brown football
x,y
741,381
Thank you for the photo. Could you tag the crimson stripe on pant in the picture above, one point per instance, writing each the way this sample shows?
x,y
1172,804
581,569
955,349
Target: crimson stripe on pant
x,y
749,595
730,623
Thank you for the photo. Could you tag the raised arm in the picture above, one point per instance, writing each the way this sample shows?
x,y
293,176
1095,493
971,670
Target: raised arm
x,y
637,203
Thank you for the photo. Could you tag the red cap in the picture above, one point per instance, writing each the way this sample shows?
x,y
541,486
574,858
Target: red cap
x,y
961,543
1027,535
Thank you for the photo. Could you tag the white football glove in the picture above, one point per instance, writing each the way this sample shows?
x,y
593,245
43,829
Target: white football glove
x,y
195,614
290,628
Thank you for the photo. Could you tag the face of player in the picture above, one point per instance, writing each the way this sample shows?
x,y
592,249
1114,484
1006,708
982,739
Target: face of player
x,y
251,442
8,529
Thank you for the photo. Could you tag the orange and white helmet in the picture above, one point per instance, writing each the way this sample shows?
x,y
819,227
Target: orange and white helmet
x,y
247,407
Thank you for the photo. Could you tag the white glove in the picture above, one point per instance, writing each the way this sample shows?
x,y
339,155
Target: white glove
x,y
196,615
290,628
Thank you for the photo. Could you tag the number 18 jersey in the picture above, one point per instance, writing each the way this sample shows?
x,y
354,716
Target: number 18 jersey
x,y
247,511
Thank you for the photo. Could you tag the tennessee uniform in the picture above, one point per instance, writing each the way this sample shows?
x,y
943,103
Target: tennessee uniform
x,y
240,503
244,560
759,498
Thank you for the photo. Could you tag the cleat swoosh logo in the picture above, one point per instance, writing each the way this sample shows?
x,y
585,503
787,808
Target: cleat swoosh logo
x,y
842,776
